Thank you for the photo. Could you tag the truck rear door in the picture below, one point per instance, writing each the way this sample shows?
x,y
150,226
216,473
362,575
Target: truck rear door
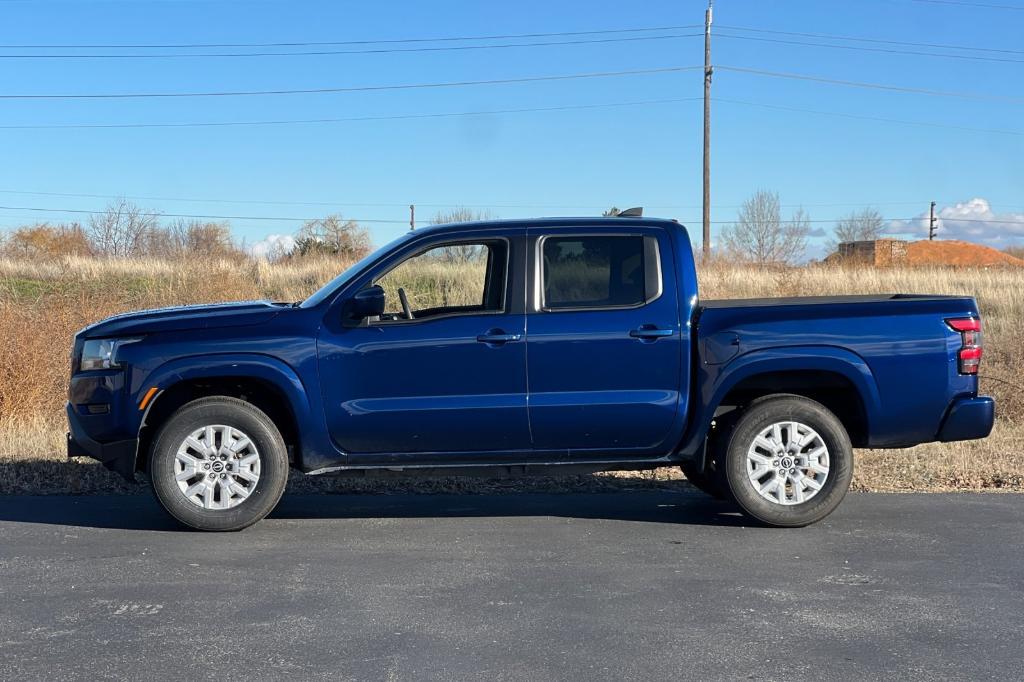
x,y
604,340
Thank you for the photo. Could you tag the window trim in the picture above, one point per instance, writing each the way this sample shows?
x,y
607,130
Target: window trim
x,y
540,305
441,244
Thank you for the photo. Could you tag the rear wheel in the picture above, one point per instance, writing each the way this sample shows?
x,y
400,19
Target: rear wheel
x,y
218,464
788,461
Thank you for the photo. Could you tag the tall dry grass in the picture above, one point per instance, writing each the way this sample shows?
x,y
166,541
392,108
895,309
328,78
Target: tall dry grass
x,y
43,304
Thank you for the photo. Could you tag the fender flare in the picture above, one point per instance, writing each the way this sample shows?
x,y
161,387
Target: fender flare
x,y
831,359
221,365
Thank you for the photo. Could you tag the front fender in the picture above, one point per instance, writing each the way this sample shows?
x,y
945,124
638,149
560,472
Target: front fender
x,y
714,383
220,365
275,372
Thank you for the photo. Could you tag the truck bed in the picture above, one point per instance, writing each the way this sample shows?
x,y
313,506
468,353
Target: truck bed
x,y
905,351
819,300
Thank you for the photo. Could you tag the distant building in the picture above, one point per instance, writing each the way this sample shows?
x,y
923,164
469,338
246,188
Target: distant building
x,y
879,253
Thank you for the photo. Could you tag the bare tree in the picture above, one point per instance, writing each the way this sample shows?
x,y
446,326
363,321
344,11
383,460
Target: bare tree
x,y
196,237
460,215
760,236
158,242
864,225
332,235
121,229
466,252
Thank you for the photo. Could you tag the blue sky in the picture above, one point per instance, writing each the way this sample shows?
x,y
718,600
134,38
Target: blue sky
x,y
575,161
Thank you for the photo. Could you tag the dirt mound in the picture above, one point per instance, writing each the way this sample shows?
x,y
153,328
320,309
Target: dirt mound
x,y
954,252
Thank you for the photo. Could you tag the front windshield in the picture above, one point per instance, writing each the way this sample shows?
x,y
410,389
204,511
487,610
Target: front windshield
x,y
345,277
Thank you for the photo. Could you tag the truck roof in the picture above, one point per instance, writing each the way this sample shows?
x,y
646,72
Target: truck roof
x,y
593,221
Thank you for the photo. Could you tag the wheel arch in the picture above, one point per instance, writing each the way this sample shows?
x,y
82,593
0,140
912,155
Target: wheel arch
x,y
835,377
265,382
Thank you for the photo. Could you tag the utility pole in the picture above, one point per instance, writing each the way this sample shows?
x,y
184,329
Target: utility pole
x,y
412,216
707,131
932,227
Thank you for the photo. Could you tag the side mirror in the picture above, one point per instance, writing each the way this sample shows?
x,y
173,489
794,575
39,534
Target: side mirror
x,y
367,303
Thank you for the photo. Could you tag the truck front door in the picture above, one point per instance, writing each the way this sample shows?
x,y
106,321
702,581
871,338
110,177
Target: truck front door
x,y
443,371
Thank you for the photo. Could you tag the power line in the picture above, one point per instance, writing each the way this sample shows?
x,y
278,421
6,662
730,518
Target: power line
x,y
874,86
482,112
395,117
869,118
961,3
391,41
191,215
403,221
383,50
363,88
862,39
525,79
403,204
884,50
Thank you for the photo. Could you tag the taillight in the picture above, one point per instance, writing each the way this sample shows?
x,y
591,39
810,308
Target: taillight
x,y
969,355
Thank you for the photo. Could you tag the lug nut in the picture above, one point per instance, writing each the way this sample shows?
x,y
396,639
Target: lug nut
x,y
775,463
223,475
792,471
206,466
212,476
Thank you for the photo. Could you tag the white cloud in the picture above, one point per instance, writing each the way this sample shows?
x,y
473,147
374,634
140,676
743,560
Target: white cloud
x,y
972,221
272,245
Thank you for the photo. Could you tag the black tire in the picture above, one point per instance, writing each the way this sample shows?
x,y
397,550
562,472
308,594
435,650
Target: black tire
x,y
757,417
264,494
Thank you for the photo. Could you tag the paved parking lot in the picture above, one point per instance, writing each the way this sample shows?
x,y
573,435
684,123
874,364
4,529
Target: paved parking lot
x,y
515,586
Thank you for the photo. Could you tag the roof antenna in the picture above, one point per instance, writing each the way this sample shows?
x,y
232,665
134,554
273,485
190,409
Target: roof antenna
x,y
635,212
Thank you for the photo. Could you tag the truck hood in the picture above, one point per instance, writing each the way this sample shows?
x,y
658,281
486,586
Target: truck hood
x,y
183,318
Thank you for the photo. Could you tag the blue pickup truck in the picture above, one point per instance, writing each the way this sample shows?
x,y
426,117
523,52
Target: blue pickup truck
x,y
513,347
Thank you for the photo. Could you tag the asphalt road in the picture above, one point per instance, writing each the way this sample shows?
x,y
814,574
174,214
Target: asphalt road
x,y
667,585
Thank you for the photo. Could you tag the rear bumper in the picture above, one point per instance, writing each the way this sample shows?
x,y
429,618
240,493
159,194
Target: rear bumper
x,y
968,419
118,456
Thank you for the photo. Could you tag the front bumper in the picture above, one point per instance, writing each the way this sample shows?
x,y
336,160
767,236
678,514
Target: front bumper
x,y
118,455
968,419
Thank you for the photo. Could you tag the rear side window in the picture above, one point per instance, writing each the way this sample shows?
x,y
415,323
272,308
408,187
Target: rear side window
x,y
599,271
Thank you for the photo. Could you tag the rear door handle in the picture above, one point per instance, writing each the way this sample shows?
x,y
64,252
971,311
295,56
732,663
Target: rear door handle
x,y
650,332
497,337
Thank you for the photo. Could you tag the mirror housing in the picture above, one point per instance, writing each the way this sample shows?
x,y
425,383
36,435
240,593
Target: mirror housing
x,y
367,303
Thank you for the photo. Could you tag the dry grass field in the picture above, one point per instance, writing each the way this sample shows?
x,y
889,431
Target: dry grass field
x,y
42,304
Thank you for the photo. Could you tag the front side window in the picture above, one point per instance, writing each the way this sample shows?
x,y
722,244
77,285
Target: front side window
x,y
598,271
459,278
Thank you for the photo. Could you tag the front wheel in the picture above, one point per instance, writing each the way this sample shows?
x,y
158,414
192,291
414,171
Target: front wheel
x,y
218,464
788,461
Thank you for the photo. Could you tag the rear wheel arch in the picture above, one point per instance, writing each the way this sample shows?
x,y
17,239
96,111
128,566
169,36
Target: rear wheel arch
x,y
835,377
834,390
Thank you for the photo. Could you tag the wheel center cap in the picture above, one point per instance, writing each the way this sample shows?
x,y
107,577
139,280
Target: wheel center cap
x,y
218,466
787,462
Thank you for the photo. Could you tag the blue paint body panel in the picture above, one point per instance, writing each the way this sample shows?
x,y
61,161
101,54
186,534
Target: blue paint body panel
x,y
568,386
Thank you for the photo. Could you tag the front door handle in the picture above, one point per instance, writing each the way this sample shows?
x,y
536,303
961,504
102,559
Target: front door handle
x,y
650,332
497,337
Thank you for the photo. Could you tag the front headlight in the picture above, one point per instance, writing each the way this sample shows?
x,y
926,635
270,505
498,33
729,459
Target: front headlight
x,y
101,353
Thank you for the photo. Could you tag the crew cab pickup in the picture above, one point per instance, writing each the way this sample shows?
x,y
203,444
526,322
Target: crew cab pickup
x,y
549,345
